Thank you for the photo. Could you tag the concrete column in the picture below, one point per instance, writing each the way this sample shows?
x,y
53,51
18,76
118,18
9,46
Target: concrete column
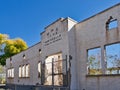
x,y
74,78
103,64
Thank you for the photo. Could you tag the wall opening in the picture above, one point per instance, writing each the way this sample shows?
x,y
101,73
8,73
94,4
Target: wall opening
x,y
111,23
39,69
54,70
112,56
94,61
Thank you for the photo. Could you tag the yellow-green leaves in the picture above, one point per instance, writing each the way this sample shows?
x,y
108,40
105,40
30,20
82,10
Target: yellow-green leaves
x,y
3,38
10,47
15,46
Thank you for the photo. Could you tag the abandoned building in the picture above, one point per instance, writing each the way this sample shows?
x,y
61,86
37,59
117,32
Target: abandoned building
x,y
72,56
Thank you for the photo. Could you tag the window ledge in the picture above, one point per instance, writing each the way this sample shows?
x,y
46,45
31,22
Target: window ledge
x,y
115,28
24,77
102,75
10,77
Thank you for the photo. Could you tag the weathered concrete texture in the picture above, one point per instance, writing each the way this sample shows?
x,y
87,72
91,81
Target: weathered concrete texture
x,y
72,39
54,40
33,87
103,83
92,33
32,57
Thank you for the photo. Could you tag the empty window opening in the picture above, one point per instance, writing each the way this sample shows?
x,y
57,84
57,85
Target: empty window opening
x,y
40,51
24,56
111,23
112,56
48,34
24,71
54,70
20,70
27,72
52,30
39,69
10,73
94,61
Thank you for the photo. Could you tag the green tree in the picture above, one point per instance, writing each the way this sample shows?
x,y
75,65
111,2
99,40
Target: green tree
x,y
10,47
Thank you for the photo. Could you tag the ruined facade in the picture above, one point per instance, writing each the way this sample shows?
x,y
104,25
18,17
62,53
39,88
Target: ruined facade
x,y
78,55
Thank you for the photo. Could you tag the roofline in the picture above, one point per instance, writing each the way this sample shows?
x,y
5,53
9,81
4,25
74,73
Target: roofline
x,y
25,50
33,45
60,19
70,19
99,13
42,32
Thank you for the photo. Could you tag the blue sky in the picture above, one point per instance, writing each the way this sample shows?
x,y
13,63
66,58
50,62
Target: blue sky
x,y
27,18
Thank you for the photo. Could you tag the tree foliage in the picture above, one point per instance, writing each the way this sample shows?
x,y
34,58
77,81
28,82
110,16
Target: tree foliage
x,y
3,38
10,47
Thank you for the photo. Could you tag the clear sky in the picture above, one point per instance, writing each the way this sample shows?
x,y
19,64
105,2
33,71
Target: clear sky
x,y
27,18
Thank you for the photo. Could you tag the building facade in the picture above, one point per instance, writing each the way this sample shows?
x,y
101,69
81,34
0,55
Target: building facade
x,y
77,55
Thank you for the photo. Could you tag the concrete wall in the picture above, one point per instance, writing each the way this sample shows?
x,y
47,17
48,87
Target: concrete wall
x,y
54,40
54,43
32,58
57,38
73,39
92,33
